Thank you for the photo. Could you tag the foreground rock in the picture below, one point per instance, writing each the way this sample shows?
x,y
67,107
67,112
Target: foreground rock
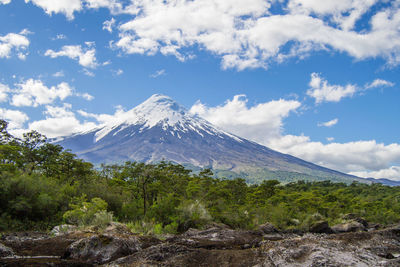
x,y
378,248
5,251
216,246
351,226
99,249
63,229
321,227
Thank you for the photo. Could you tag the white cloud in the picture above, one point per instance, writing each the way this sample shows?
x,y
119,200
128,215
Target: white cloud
x,y
118,72
379,83
263,123
258,123
108,25
330,139
5,2
86,96
329,123
66,7
114,6
34,92
247,34
15,118
392,173
59,74
322,91
85,56
346,157
158,73
342,12
119,116
59,37
13,42
88,73
4,90
60,121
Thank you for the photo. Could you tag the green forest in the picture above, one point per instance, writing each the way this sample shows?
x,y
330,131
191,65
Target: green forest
x,y
43,185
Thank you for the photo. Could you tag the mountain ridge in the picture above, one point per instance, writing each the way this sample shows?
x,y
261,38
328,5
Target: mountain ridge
x,y
161,129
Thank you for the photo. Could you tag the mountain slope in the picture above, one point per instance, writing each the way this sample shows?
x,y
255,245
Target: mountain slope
x,y
160,129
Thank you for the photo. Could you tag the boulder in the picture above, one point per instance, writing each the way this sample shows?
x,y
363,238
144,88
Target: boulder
x,y
267,228
321,227
217,238
99,249
351,226
63,229
117,229
354,217
5,251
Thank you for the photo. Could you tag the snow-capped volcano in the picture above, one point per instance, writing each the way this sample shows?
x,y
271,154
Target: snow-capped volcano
x,y
161,111
161,129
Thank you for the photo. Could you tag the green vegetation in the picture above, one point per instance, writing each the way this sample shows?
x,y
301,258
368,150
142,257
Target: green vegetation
x,y
42,185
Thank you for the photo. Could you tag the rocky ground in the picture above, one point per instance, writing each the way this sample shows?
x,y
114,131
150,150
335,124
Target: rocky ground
x,y
354,243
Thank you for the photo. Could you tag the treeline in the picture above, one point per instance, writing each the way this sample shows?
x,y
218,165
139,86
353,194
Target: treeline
x,y
43,185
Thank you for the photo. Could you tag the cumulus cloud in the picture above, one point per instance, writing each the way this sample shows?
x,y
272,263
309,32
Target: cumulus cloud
x,y
59,37
88,73
346,157
392,173
85,56
118,72
59,74
248,34
86,96
15,118
258,123
345,13
322,91
16,42
379,83
34,93
329,123
59,121
264,123
4,90
108,25
114,6
66,7
5,2
69,7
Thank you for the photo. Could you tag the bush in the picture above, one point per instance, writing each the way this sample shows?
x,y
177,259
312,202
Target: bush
x,y
85,213
102,219
192,214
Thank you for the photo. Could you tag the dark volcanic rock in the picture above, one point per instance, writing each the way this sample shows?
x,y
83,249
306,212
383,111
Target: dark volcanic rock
x,y
33,244
267,228
170,254
321,227
354,217
5,251
100,249
214,238
351,226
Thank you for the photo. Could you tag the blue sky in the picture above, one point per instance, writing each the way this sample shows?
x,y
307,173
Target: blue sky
x,y
315,79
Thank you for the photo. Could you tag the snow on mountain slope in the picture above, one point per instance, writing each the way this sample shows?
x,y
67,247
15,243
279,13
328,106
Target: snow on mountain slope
x,y
161,111
161,129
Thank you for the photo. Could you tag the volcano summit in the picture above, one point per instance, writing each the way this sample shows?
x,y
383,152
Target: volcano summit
x,y
161,129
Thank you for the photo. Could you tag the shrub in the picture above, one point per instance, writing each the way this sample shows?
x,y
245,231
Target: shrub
x,y
102,219
83,213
